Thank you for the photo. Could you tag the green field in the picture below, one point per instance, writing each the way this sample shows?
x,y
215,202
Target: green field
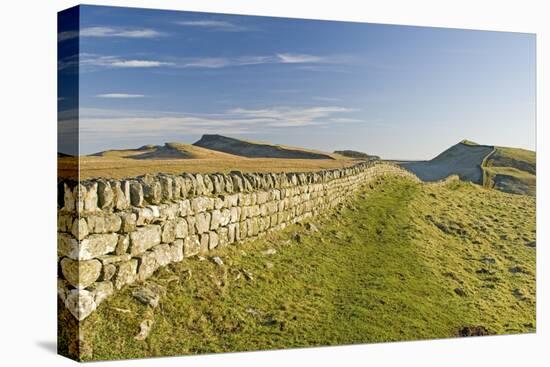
x,y
399,261
511,170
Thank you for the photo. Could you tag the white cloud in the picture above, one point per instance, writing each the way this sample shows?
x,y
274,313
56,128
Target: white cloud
x,y
139,64
100,125
216,25
120,32
119,95
325,99
298,58
91,62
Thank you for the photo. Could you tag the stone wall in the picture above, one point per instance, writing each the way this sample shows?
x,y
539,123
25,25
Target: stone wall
x,y
115,232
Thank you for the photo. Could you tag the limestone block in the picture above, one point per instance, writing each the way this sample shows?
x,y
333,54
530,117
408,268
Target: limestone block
x,y
136,194
168,231
223,237
181,229
213,240
176,251
96,224
144,238
122,244
128,222
204,243
69,200
191,224
121,192
215,219
110,259
163,254
108,271
191,246
143,216
231,232
167,187
147,265
185,207
105,195
235,214
201,204
112,223
169,211
80,303
126,273
203,222
80,274
152,190
79,229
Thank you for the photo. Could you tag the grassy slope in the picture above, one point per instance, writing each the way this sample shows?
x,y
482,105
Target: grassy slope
x,y
384,267
511,170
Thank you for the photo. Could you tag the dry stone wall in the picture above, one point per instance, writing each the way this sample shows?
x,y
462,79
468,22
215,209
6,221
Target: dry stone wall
x,y
115,232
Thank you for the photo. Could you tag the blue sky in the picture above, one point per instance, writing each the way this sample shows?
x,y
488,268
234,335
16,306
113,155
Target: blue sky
x,y
151,76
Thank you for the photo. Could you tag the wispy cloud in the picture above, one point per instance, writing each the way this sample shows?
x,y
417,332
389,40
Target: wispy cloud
x,y
214,25
325,99
105,32
90,62
119,95
113,125
298,58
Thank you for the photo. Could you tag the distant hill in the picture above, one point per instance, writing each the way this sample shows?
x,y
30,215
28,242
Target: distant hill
x,y
166,151
510,170
256,149
356,154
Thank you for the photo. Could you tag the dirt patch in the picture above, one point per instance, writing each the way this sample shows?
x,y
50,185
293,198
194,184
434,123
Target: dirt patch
x,y
473,331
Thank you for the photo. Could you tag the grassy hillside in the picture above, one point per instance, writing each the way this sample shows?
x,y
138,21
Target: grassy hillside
x,y
400,261
463,159
511,170
506,169
252,149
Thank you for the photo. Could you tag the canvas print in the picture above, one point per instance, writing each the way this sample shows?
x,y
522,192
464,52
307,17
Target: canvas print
x,y
234,183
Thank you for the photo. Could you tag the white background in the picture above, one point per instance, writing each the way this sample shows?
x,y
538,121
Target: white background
x,y
28,181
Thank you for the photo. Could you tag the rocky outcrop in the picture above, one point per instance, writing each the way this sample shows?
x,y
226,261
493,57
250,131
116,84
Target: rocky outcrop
x,y
116,232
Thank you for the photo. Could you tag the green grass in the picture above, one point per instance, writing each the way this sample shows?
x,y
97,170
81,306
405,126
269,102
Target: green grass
x,y
384,267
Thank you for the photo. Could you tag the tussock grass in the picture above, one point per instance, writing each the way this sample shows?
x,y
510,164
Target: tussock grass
x,y
399,261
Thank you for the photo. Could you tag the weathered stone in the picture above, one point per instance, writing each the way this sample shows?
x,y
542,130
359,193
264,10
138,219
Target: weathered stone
x,y
191,246
213,240
201,204
176,251
167,186
80,274
163,254
191,224
101,290
169,231
181,228
144,238
152,190
110,259
121,192
126,273
147,265
105,195
223,236
169,211
203,222
122,244
185,207
90,196
144,216
136,194
108,271
218,203
235,214
79,229
231,232
205,242
93,246
128,222
112,223
149,294
262,197
69,200
215,219
80,303
96,224
64,222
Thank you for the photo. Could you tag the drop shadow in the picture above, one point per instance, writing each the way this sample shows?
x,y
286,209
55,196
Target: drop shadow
x,y
48,345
